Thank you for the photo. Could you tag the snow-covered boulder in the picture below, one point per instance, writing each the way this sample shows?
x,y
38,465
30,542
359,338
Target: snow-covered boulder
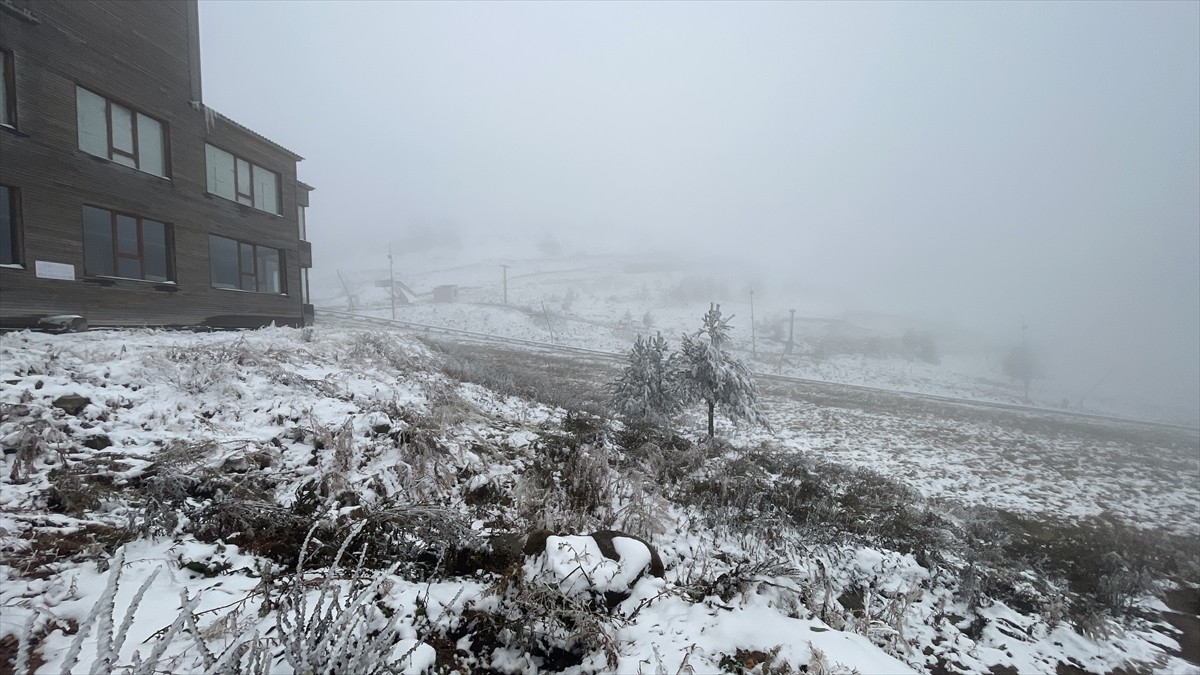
x,y
607,563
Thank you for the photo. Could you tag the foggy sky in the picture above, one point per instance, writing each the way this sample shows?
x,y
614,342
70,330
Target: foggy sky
x,y
979,161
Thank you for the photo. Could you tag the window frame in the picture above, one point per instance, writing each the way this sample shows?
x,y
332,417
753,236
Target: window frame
x,y
113,150
8,60
282,257
237,190
17,235
117,256
237,181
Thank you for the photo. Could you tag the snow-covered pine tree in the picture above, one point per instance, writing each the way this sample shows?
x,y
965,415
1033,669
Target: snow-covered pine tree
x,y
644,392
709,374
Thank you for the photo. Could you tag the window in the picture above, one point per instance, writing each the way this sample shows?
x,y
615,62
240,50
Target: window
x,y
8,90
10,219
241,181
122,245
125,136
238,265
300,220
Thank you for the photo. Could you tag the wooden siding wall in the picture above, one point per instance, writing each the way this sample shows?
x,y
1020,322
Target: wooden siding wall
x,y
135,53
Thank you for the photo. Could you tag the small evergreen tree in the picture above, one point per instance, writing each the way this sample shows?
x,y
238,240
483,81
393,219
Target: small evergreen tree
x,y
707,373
644,392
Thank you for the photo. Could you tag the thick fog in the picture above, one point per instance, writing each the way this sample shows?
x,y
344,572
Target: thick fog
x,y
982,163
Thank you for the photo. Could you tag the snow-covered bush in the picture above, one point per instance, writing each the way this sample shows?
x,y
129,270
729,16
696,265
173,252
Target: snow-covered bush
x,y
646,392
30,442
771,494
558,608
373,347
659,453
209,369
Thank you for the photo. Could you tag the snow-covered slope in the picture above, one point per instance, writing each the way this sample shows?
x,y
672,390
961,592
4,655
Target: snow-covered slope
x,y
197,463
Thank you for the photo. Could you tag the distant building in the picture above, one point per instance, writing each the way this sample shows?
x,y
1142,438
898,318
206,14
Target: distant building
x,y
446,293
123,198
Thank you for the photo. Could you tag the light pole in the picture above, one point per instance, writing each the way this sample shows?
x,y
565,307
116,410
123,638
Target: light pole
x,y
392,281
505,268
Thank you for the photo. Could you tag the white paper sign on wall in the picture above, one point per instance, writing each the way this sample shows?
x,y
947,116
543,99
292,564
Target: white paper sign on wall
x,y
53,270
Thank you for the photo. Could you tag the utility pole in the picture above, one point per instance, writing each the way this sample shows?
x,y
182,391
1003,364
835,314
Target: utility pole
x,y
753,340
392,281
505,268
548,326
791,335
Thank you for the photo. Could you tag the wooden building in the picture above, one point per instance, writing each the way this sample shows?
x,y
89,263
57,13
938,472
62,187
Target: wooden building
x,y
126,201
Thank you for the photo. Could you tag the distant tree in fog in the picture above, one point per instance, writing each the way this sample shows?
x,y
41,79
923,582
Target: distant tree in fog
x,y
1021,364
549,246
919,344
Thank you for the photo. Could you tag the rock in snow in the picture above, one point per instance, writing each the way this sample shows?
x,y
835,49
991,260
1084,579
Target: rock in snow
x,y
606,562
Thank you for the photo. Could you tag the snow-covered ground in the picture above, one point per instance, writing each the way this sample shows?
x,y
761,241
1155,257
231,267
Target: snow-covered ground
x,y
1046,468
188,455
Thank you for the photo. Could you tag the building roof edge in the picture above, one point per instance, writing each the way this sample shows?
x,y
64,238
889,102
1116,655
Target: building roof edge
x,y
225,118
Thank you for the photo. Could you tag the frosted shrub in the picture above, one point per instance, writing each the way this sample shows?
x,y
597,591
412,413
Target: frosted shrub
x,y
339,633
198,370
557,628
342,629
572,495
33,441
571,483
378,348
110,637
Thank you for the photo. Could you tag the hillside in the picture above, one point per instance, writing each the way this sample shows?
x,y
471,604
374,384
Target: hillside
x,y
601,301
347,500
